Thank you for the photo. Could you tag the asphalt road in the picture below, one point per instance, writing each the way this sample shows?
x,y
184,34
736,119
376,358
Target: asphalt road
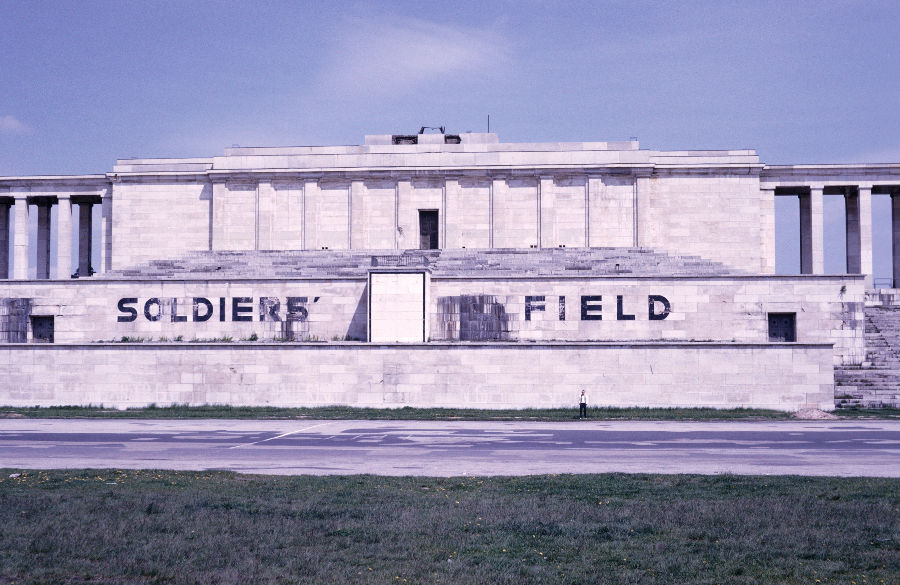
x,y
840,448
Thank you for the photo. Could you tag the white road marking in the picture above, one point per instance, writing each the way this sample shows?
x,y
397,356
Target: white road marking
x,y
281,435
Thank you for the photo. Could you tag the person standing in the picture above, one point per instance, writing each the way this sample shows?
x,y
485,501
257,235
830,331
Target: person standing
x,y
582,411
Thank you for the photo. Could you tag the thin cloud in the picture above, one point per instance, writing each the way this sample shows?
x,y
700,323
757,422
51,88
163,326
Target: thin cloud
x,y
378,57
10,126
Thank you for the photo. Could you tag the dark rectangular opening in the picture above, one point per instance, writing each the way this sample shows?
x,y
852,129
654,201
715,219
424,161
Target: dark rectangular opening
x,y
428,229
42,329
782,326
405,139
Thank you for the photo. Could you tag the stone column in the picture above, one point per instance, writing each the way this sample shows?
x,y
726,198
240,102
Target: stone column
x,y
64,237
895,234
4,240
812,243
20,235
42,257
851,212
859,232
866,265
85,233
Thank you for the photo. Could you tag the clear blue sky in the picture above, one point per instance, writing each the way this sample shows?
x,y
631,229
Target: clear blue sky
x,y
84,83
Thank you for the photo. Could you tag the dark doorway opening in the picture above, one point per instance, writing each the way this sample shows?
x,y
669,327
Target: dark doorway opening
x,y
42,329
782,327
428,229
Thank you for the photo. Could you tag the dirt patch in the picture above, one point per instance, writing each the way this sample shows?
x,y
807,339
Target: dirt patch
x,y
814,414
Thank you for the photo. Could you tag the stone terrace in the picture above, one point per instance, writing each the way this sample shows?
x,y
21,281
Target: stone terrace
x,y
552,262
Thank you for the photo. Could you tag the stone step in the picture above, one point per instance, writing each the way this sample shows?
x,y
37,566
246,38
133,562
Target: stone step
x,y
591,261
877,384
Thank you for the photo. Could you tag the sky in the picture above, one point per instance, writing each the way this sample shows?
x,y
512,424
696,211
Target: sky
x,y
85,83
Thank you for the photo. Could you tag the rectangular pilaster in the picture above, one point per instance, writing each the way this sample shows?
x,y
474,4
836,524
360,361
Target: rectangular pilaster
x,y
767,229
310,197
265,216
85,233
64,237
546,220
20,239
595,233
218,215
497,184
443,231
357,216
642,212
812,244
106,243
4,240
587,212
404,239
42,255
451,222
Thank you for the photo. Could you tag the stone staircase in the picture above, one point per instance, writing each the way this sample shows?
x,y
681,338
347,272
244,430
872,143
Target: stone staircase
x,y
876,383
463,262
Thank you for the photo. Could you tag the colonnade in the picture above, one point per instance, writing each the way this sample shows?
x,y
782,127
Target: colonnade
x,y
858,228
20,206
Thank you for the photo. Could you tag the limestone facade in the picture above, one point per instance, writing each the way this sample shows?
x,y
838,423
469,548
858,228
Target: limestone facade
x,y
664,257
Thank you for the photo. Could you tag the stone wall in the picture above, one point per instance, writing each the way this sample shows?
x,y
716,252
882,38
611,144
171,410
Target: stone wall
x,y
718,217
778,376
715,217
88,311
634,309
730,309
163,220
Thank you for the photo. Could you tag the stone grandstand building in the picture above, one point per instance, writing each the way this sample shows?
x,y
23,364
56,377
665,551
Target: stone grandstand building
x,y
442,270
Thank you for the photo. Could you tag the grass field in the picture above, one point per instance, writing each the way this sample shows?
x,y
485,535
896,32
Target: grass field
x,y
174,527
407,413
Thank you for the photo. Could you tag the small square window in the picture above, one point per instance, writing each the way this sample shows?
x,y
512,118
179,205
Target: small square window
x,y
42,329
782,326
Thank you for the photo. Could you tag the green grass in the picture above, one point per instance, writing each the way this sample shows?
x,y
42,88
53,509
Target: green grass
x,y
115,526
407,413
